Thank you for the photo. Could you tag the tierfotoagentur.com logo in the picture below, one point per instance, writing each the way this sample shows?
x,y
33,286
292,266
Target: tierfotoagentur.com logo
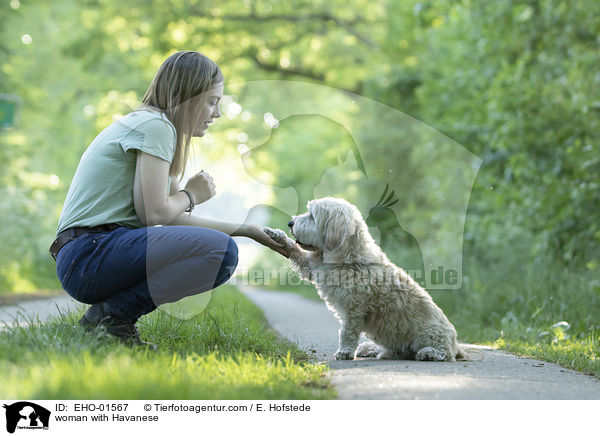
x,y
24,415
344,276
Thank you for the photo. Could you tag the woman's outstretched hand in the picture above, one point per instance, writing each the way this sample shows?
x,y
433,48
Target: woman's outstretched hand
x,y
256,233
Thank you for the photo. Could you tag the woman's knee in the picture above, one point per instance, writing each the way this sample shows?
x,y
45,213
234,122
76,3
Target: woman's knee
x,y
231,255
230,261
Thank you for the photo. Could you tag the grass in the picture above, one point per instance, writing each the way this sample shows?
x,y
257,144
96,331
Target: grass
x,y
579,354
226,352
535,309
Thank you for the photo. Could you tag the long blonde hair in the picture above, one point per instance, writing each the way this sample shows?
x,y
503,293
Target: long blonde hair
x,y
182,76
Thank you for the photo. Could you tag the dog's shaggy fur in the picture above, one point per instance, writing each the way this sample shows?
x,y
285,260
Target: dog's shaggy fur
x,y
366,292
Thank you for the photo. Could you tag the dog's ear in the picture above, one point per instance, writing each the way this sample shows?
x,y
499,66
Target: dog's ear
x,y
337,229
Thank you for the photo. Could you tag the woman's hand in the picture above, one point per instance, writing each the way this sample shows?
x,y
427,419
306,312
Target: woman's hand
x,y
256,233
201,186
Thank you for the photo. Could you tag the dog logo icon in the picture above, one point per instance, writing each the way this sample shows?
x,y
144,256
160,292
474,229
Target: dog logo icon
x,y
26,415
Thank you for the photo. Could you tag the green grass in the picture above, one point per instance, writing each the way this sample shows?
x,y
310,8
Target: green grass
x,y
226,352
516,305
579,354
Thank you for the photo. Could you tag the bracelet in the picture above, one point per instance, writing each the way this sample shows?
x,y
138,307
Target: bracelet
x,y
192,205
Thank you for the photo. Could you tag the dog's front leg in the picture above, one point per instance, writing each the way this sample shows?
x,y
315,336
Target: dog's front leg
x,y
349,334
299,257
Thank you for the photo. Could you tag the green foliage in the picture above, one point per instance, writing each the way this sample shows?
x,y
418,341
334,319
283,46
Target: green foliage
x,y
517,83
514,82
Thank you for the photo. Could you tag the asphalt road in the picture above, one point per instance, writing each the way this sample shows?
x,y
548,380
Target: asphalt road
x,y
35,310
500,376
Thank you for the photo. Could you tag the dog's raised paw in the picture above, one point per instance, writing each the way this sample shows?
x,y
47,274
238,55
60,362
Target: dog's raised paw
x,y
344,355
279,235
273,233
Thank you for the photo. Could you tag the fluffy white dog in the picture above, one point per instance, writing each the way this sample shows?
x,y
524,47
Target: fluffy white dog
x,y
366,292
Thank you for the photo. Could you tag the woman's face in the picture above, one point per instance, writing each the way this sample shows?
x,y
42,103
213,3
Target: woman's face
x,y
209,109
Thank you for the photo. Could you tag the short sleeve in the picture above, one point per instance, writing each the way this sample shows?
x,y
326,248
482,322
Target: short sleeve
x,y
154,136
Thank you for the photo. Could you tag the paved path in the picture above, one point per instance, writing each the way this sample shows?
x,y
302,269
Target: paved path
x,y
35,309
498,376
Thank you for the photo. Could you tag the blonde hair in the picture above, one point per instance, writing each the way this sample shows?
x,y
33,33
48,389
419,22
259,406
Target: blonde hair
x,y
181,77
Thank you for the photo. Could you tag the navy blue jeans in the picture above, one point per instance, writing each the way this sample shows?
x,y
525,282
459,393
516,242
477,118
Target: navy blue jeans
x,y
135,270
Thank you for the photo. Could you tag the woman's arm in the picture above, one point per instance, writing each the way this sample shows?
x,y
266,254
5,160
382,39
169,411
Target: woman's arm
x,y
154,207
232,229
175,188
152,204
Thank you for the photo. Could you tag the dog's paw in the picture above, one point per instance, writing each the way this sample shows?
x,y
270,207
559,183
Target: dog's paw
x,y
344,355
279,235
274,234
431,354
368,349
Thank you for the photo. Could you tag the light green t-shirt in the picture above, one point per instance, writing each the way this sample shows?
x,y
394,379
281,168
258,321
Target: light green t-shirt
x,y
102,189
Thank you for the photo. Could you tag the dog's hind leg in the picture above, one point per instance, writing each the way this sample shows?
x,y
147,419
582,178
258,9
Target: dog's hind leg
x,y
368,349
434,344
431,354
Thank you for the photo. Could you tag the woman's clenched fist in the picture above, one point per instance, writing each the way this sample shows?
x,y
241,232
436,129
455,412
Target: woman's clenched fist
x,y
201,186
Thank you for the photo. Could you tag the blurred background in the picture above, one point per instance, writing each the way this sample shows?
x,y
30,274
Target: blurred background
x,y
486,109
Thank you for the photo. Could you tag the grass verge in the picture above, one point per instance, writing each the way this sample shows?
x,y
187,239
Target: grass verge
x,y
578,354
541,311
226,352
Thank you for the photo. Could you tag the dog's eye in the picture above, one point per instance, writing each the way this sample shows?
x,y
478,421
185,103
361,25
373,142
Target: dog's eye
x,y
311,217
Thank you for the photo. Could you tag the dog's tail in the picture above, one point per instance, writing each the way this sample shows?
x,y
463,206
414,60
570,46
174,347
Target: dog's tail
x,y
463,354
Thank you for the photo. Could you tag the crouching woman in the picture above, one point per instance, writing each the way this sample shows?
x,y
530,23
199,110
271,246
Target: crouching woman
x,y
126,239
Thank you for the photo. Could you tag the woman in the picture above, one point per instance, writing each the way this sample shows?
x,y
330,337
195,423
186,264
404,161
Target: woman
x,y
126,239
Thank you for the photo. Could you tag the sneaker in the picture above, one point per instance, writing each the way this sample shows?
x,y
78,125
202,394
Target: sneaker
x,y
126,332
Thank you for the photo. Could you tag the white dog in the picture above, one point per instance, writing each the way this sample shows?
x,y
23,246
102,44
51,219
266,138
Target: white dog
x,y
366,292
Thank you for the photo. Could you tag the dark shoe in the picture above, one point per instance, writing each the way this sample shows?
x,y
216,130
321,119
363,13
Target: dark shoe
x,y
126,332
93,316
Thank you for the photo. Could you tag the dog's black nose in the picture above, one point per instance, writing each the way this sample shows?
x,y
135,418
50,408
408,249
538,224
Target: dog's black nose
x,y
291,223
